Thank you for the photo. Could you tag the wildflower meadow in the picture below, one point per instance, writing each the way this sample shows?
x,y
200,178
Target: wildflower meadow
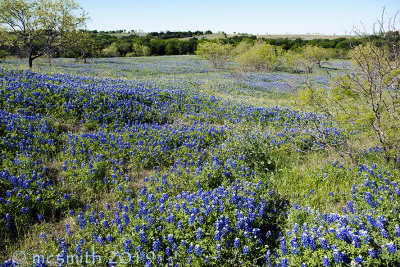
x,y
161,161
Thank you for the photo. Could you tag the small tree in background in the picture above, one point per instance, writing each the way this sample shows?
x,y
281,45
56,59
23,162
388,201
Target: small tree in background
x,y
259,57
241,48
366,96
311,56
291,61
139,50
111,51
83,46
271,56
217,53
39,27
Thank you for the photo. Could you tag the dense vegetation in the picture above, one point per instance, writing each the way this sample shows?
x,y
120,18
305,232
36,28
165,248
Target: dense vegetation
x,y
109,44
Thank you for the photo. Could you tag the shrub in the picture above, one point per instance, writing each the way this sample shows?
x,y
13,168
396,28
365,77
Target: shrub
x,y
291,61
139,50
111,51
217,53
260,57
311,56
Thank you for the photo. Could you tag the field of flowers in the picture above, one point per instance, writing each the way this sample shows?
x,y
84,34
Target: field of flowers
x,y
163,162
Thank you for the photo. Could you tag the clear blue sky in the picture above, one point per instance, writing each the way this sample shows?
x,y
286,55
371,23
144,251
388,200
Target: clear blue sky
x,y
245,16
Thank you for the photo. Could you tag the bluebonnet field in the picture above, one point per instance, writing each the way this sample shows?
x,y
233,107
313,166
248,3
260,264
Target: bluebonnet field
x,y
161,161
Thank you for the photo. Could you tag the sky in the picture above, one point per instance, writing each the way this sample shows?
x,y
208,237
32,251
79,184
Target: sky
x,y
231,16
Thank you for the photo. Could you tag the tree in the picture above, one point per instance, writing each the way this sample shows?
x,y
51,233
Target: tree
x,y
83,46
39,27
139,50
271,56
241,48
259,57
172,47
157,47
217,53
291,61
124,47
312,55
111,51
366,97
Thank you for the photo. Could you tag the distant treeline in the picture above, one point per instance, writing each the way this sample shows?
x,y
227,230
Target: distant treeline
x,y
171,35
161,35
132,44
111,45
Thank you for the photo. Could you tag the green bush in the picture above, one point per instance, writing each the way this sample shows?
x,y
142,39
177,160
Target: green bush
x,y
311,56
260,57
139,50
3,54
111,51
217,53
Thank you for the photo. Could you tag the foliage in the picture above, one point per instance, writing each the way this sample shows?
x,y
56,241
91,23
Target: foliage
x,y
241,48
139,51
311,56
263,56
36,28
3,54
82,47
260,57
172,43
217,53
111,51
291,61
179,34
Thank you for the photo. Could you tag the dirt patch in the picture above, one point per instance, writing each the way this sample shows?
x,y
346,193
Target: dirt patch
x,y
137,178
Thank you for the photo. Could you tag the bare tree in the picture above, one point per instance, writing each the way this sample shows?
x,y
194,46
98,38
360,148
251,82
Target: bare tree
x,y
366,96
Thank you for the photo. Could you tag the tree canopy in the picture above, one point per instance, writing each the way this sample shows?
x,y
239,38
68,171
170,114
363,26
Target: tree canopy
x,y
33,28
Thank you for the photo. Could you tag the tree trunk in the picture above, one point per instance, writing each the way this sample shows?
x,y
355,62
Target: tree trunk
x,y
30,62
